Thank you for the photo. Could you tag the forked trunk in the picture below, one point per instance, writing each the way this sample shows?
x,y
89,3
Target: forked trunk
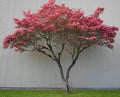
x,y
67,86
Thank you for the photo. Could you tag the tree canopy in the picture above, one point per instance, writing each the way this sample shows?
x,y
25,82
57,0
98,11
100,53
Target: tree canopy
x,y
61,24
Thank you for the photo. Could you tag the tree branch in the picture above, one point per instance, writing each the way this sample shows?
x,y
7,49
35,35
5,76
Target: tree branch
x,y
61,51
61,71
40,49
50,48
74,61
50,56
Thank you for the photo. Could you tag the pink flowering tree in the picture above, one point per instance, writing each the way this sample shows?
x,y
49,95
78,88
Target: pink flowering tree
x,y
58,28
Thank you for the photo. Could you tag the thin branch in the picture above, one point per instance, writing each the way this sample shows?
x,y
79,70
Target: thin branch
x,y
74,52
69,51
83,49
50,56
50,48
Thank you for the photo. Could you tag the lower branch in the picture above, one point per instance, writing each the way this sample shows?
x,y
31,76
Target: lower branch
x,y
70,67
61,70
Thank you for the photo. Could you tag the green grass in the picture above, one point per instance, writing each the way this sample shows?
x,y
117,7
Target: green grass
x,y
59,93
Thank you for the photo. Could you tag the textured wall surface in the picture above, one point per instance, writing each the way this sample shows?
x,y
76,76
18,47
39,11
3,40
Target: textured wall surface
x,y
96,68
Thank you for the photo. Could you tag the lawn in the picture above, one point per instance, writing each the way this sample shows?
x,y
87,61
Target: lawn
x,y
59,93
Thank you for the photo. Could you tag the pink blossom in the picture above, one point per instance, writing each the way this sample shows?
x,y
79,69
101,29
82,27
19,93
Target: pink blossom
x,y
98,11
27,14
92,38
50,27
110,46
61,20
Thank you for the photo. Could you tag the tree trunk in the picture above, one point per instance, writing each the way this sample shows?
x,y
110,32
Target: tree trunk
x,y
67,87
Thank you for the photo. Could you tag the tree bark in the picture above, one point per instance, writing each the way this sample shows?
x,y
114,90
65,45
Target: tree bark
x,y
67,87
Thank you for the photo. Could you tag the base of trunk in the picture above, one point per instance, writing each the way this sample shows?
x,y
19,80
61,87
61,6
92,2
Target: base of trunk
x,y
67,88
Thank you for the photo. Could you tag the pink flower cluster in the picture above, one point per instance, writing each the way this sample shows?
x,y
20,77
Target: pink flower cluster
x,y
98,11
52,18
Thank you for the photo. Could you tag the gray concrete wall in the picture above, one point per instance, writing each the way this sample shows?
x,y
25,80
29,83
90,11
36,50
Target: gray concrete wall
x,y
96,68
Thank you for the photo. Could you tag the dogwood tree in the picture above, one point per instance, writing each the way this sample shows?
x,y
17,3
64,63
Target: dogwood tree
x,y
58,28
